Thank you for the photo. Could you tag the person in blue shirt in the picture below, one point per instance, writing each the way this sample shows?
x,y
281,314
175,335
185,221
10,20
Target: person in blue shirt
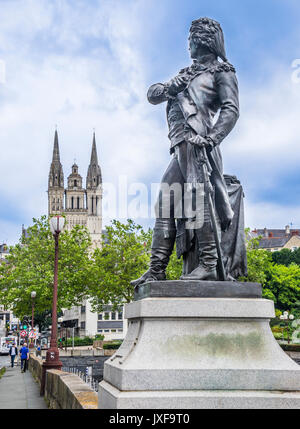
x,y
24,353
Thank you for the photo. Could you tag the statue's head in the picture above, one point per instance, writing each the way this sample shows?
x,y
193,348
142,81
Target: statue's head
x,y
207,33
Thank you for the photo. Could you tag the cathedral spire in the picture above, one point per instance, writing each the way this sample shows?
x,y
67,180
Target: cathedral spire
x,y
93,178
55,157
56,175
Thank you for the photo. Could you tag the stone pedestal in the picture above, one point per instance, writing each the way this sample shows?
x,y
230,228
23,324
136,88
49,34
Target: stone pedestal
x,y
190,345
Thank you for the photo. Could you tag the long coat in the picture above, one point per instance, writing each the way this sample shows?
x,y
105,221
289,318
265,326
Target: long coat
x,y
212,86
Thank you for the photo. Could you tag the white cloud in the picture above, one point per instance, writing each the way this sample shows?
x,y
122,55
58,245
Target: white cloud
x,y
265,142
263,149
260,215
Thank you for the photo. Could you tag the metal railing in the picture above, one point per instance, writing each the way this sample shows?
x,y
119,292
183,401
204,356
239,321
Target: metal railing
x,y
89,379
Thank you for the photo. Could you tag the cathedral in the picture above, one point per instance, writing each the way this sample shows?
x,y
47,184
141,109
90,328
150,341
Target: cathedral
x,y
81,206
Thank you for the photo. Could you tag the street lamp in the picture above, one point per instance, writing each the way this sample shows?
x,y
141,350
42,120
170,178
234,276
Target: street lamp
x,y
286,317
52,355
33,295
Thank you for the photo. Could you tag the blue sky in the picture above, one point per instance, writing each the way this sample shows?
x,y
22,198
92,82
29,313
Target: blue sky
x,y
88,64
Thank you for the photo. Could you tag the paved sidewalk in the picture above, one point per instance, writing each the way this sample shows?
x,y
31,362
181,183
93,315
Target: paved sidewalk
x,y
19,390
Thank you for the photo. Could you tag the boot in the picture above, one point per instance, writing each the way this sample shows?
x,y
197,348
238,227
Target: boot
x,y
163,240
208,256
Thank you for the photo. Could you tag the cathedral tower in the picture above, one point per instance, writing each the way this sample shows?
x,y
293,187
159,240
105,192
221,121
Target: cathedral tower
x,y
75,200
81,206
94,197
56,182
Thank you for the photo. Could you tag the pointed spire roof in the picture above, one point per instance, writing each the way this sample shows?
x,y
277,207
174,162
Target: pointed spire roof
x,y
56,175
55,156
94,157
94,177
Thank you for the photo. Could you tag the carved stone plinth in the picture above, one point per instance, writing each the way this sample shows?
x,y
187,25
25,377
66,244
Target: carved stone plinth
x,y
200,352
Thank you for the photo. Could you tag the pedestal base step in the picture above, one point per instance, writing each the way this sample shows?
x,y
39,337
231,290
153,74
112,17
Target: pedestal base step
x,y
112,398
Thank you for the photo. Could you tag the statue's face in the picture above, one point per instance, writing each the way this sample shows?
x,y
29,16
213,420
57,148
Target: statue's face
x,y
193,47
199,43
196,46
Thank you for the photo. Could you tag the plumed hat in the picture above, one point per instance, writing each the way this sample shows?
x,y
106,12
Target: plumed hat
x,y
210,34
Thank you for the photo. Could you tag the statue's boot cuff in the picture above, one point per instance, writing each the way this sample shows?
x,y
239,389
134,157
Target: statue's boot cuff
x,y
162,247
208,256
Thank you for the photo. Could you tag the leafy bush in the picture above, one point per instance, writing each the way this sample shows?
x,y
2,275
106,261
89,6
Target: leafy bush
x,y
112,346
290,347
99,337
86,341
2,371
277,335
276,328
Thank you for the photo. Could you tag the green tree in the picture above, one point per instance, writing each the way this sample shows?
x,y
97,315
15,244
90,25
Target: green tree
x,y
174,268
258,261
283,286
124,257
30,266
286,257
283,257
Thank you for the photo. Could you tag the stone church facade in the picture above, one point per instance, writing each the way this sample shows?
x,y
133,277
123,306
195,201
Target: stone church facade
x,y
81,206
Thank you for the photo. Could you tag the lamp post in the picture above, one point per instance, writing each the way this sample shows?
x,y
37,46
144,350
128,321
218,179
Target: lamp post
x,y
52,355
286,317
33,295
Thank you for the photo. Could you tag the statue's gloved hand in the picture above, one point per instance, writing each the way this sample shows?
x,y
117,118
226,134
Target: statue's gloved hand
x,y
176,85
200,141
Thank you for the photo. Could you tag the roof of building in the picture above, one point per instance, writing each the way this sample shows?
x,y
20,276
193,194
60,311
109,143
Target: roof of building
x,y
271,238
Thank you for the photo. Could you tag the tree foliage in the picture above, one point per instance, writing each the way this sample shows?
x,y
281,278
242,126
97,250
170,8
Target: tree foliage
x,y
286,257
124,257
30,267
283,285
258,261
174,268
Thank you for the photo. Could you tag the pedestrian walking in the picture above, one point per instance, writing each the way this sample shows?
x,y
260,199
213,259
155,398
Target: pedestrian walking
x,y
24,353
13,352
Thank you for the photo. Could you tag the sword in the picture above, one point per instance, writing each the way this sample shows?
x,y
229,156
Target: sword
x,y
206,168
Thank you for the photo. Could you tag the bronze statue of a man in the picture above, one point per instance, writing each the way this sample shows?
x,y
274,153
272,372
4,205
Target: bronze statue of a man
x,y
194,97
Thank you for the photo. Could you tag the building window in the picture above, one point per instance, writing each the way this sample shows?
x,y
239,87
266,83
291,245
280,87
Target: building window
x,y
120,330
75,182
82,325
106,316
78,202
100,316
113,330
113,316
72,202
100,330
120,315
106,330
82,310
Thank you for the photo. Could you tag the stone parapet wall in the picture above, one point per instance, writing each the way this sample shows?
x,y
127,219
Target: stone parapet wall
x,y
35,367
63,390
67,391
